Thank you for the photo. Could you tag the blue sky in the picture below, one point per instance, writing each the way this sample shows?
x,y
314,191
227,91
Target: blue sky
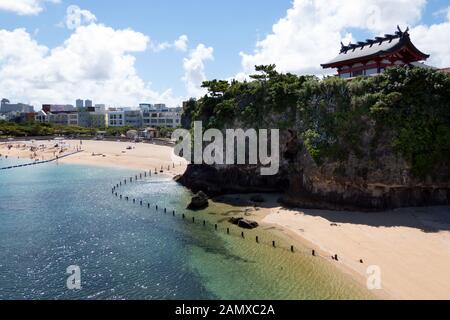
x,y
227,27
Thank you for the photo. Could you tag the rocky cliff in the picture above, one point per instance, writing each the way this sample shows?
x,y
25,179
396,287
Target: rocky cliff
x,y
374,144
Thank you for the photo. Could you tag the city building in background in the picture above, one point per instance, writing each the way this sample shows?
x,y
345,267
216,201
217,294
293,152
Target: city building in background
x,y
79,103
116,117
7,107
65,115
85,113
159,115
133,118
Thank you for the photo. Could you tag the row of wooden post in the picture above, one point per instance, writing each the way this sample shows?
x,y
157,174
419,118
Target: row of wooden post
x,y
292,249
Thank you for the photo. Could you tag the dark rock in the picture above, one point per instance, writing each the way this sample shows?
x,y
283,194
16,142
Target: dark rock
x,y
235,220
248,224
257,199
230,179
199,201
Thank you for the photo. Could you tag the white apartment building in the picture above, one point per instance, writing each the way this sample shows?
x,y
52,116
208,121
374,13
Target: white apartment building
x,y
116,118
64,119
159,115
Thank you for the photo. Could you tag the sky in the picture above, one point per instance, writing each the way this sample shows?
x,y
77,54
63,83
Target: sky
x,y
122,53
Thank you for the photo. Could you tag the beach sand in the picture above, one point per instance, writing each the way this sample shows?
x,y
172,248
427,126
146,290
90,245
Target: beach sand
x,y
410,246
141,156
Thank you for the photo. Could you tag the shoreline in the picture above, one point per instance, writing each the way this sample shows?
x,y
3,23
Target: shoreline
x,y
411,246
114,154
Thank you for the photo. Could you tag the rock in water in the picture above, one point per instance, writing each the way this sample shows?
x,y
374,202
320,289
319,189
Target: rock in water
x,y
199,201
247,224
235,220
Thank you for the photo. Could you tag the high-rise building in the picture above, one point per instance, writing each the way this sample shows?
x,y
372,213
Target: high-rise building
x,y
88,103
79,103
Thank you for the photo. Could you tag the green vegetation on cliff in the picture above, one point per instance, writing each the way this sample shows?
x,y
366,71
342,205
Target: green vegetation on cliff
x,y
411,106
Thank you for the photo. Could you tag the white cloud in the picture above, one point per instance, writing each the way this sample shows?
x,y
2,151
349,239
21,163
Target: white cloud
x,y
311,31
181,44
75,17
434,40
95,62
24,7
194,69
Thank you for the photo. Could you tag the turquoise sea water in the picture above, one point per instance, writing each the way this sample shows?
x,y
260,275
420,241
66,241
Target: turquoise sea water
x,y
54,216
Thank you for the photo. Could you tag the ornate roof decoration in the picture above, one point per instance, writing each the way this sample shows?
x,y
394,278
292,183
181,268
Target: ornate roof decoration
x,y
379,46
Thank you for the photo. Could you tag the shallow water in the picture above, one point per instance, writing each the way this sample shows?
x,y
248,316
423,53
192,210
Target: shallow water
x,y
54,216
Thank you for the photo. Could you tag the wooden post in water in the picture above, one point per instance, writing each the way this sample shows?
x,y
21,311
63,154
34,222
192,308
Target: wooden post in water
x,y
292,249
242,235
183,216
314,253
156,207
215,227
273,244
193,219
204,222
257,239
228,230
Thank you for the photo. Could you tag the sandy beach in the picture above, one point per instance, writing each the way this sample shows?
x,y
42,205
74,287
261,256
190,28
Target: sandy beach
x,y
139,156
410,246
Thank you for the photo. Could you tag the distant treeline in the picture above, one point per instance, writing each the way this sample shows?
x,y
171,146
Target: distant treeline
x,y
11,129
34,129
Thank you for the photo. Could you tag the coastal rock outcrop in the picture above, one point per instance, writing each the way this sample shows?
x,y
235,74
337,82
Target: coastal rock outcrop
x,y
370,144
376,182
199,201
244,223
215,181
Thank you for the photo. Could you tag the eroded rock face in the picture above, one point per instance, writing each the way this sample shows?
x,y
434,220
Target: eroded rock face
x,y
377,179
199,201
216,181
